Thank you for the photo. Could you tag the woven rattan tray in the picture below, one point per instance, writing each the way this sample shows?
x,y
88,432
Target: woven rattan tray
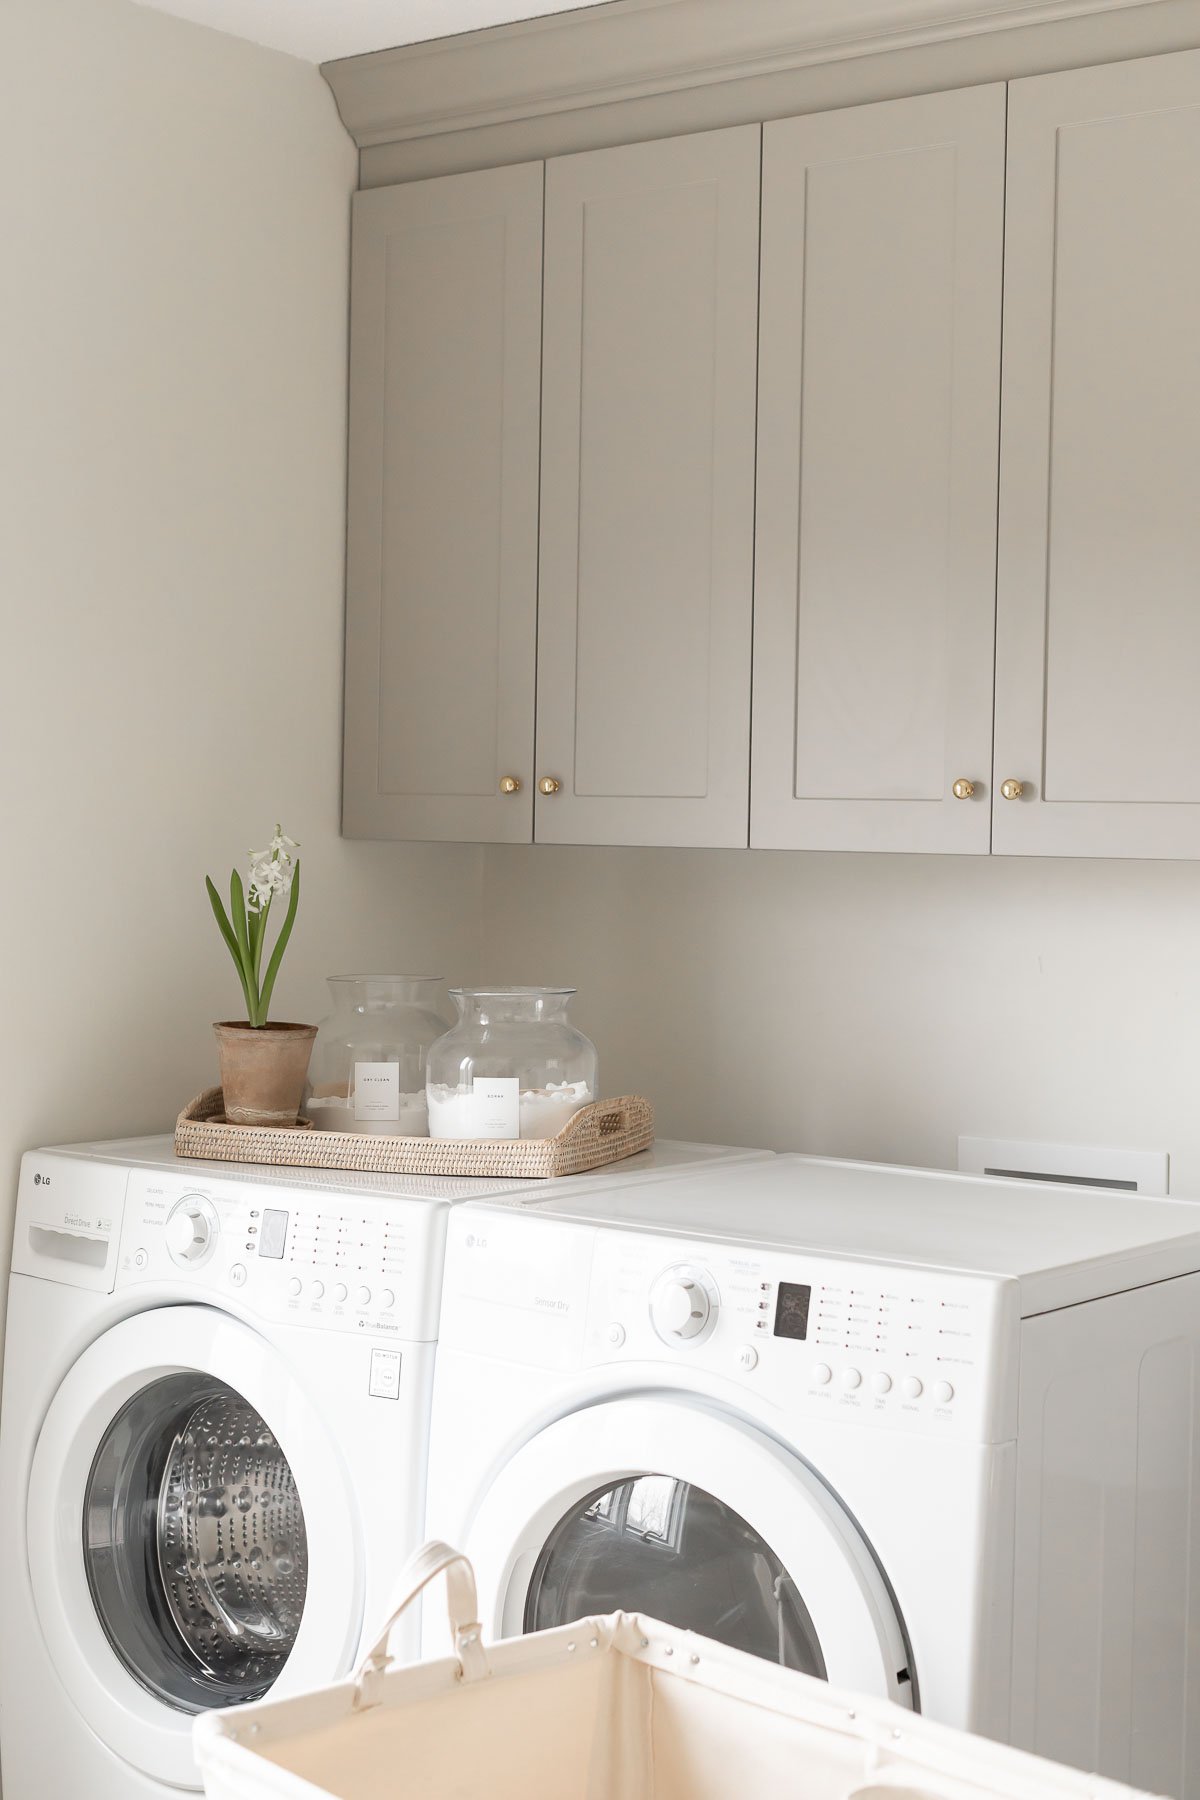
x,y
605,1132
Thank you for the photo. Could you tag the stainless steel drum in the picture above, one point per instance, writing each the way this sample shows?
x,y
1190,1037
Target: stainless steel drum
x,y
195,1544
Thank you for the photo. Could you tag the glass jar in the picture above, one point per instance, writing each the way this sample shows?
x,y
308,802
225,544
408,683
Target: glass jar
x,y
511,1067
368,1064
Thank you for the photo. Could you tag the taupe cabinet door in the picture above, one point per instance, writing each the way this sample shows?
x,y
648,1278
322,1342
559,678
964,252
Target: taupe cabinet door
x,y
879,382
443,494
1098,649
647,533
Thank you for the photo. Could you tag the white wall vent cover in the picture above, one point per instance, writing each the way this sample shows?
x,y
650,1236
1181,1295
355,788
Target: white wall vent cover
x,y
1075,1165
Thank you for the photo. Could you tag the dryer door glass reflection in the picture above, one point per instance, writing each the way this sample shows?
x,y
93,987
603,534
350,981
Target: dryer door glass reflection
x,y
195,1546
663,1547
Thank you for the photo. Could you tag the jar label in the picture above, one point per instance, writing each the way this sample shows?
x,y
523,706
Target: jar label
x,y
497,1106
376,1090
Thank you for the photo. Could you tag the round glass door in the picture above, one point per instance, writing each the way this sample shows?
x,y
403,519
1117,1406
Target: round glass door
x,y
192,1532
665,1505
665,1547
195,1544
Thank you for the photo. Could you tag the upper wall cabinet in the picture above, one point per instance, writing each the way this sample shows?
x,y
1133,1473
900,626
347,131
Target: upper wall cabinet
x,y
1098,652
647,512
443,499
879,374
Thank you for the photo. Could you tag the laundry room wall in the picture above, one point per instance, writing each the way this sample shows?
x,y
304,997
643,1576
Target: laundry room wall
x,y
172,477
874,1006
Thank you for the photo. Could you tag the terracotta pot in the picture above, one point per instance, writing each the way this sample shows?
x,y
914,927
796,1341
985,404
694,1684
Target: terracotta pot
x,y
263,1070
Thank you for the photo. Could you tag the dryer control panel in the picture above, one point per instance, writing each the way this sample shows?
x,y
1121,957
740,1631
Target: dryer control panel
x,y
865,1342
875,1345
326,1260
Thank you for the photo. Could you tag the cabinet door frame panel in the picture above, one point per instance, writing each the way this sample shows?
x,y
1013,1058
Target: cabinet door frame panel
x,y
514,196
969,122
728,160
1040,109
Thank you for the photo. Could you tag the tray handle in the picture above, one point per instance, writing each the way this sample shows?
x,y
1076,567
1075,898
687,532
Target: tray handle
x,y
422,1567
605,1119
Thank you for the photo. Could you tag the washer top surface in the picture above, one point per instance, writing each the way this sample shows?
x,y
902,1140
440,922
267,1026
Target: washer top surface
x,y
1063,1245
665,1157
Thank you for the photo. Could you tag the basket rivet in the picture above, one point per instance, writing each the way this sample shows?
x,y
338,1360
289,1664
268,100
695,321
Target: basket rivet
x,y
570,1646
896,1731
595,1643
693,1659
668,1651
852,1715
645,1644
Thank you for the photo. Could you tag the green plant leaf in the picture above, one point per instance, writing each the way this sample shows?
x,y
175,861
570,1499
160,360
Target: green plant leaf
x,y
226,931
281,943
241,931
258,934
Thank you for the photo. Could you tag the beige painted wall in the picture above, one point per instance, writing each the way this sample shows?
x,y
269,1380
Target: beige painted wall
x,y
871,1005
172,341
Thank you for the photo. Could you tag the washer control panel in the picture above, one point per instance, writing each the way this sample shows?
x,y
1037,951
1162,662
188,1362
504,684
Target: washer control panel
x,y
327,1260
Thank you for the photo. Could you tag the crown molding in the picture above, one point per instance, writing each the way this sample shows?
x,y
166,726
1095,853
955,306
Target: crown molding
x,y
633,49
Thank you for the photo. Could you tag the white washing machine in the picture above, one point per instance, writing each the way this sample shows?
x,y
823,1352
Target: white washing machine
x,y
212,1442
928,1436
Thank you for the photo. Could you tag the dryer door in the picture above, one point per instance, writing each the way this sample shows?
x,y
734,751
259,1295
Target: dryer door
x,y
694,1516
192,1534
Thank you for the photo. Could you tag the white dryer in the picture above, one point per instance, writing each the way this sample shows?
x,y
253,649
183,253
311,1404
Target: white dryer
x,y
213,1442
931,1437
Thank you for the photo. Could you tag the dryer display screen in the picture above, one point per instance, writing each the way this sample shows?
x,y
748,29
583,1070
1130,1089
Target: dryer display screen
x,y
791,1310
274,1234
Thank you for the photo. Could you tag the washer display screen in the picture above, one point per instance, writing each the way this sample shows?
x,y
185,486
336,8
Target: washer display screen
x,y
274,1234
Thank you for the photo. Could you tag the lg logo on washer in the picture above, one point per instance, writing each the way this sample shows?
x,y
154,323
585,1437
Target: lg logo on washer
x,y
41,1180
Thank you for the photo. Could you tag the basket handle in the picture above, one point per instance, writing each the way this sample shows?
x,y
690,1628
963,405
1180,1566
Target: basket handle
x,y
422,1567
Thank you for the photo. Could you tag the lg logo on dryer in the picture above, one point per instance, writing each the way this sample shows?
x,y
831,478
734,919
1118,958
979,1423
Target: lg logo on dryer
x,y
41,1180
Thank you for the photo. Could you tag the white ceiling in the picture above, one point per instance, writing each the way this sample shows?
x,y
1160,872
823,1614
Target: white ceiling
x,y
320,30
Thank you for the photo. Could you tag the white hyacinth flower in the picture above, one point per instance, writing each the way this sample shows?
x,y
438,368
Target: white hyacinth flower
x,y
268,877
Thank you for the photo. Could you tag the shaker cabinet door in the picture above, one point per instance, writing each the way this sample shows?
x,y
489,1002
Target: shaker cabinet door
x,y
443,497
879,373
1098,622
647,533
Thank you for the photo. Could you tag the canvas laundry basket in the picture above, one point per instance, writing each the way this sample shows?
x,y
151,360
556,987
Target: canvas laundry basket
x,y
614,1708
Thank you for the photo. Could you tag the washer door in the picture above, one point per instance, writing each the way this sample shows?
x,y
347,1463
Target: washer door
x,y
193,1539
666,1507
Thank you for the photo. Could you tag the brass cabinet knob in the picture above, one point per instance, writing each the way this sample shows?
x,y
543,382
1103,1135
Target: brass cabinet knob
x,y
963,789
1012,790
548,785
510,784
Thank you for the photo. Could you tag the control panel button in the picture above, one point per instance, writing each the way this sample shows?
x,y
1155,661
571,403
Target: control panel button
x,y
317,1290
943,1392
881,1381
747,1357
339,1292
387,1299
237,1275
362,1296
851,1379
140,1258
913,1387
294,1286
616,1334
822,1375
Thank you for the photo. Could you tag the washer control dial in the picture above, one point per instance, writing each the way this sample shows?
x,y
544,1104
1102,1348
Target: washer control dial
x,y
190,1230
683,1305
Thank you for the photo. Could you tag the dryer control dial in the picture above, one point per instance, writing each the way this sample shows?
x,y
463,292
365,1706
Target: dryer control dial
x,y
191,1230
683,1305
